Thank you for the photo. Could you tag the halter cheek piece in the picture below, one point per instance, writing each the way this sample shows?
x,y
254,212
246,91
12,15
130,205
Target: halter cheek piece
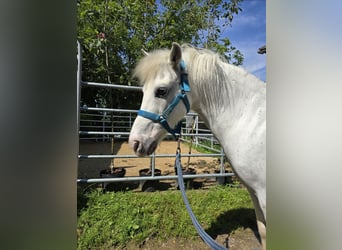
x,y
162,119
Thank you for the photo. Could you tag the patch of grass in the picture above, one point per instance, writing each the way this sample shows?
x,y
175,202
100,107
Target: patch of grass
x,y
199,148
114,219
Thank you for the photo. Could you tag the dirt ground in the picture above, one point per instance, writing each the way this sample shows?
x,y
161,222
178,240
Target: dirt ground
x,y
242,239
239,240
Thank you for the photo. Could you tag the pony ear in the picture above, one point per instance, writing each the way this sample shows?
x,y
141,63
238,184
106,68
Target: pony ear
x,y
175,55
145,52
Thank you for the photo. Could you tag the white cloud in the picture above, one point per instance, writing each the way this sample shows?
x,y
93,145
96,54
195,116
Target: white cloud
x,y
247,20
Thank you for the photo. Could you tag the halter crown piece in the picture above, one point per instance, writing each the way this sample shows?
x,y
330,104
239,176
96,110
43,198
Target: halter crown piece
x,y
162,119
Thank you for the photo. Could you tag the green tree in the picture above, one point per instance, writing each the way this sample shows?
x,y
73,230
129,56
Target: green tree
x,y
112,34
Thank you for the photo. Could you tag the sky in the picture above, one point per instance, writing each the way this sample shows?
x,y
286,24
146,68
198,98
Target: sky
x,y
248,34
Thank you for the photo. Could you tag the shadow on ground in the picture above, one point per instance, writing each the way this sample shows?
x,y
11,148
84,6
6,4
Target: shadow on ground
x,y
231,220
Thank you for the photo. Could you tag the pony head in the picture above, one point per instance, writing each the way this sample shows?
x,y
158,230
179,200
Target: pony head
x,y
160,74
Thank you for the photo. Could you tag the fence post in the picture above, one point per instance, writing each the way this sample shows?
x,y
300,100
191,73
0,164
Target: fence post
x,y
79,75
78,93
153,163
222,160
196,121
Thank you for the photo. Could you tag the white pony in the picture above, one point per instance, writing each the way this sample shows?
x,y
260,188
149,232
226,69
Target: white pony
x,y
231,101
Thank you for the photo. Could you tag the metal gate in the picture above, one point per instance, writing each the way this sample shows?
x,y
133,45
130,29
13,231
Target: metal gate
x,y
99,131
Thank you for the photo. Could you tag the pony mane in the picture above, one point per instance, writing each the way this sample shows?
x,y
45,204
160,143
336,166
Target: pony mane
x,y
208,70
219,81
149,66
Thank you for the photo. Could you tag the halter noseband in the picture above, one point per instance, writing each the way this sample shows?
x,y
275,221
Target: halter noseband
x,y
162,119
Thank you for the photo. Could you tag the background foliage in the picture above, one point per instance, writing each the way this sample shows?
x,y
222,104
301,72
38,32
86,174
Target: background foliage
x,y
112,34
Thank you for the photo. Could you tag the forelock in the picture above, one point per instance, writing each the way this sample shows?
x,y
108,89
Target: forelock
x,y
149,66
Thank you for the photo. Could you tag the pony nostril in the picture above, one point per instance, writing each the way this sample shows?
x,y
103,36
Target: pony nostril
x,y
152,148
135,145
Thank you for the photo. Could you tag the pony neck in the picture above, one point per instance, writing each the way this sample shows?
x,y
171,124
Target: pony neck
x,y
224,95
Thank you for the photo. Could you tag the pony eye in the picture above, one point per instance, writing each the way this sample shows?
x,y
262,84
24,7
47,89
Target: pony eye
x,y
161,92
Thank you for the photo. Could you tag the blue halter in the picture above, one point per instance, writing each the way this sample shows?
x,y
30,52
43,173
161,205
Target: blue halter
x,y
162,119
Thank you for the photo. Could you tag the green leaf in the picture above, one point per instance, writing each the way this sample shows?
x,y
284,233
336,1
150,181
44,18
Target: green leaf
x,y
131,25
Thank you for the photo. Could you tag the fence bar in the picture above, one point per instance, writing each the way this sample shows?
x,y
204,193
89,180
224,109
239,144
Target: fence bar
x,y
102,133
81,156
160,177
114,86
106,121
126,133
109,110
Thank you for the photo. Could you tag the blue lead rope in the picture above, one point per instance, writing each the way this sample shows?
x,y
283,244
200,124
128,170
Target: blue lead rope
x,y
205,237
